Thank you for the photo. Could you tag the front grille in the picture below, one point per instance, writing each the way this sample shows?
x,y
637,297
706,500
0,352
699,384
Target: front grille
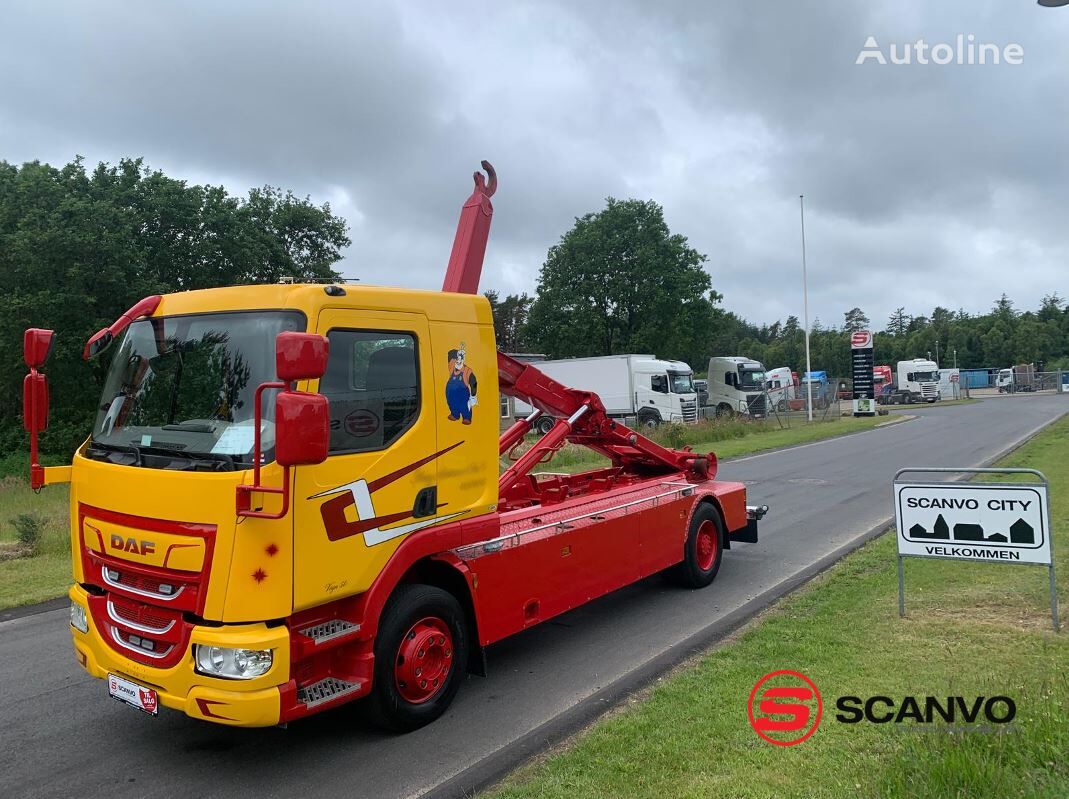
x,y
690,410
756,404
141,617
143,633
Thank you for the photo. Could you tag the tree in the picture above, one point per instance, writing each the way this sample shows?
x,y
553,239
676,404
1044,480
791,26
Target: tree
x,y
621,281
855,320
898,324
510,320
78,248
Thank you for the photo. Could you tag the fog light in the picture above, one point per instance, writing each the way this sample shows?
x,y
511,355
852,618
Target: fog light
x,y
78,618
164,588
234,664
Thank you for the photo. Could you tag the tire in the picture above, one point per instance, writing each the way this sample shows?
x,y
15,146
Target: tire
x,y
649,419
724,411
781,406
703,550
544,424
907,399
423,624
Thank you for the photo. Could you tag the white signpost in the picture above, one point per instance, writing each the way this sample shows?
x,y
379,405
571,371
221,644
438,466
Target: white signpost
x,y
989,522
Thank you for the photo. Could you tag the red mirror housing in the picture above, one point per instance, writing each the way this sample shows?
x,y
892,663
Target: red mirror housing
x,y
302,428
300,356
37,346
35,402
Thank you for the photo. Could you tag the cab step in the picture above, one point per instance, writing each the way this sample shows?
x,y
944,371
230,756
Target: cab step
x,y
329,630
327,689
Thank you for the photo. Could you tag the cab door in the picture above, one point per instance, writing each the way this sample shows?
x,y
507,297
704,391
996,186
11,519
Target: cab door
x,y
379,482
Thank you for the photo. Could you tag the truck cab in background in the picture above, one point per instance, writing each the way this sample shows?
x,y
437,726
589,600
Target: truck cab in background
x,y
883,380
1021,377
918,381
641,386
737,386
782,386
823,391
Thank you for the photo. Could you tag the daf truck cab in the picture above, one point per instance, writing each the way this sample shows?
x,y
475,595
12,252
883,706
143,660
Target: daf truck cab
x,y
737,386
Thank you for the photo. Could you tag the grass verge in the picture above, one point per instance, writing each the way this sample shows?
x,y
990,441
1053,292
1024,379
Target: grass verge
x,y
47,574
971,629
728,439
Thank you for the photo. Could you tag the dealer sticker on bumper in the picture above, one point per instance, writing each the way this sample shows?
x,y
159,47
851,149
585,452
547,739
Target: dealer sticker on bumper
x,y
131,693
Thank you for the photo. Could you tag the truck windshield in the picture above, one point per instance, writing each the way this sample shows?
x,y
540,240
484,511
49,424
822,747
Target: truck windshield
x,y
179,391
751,380
681,383
926,377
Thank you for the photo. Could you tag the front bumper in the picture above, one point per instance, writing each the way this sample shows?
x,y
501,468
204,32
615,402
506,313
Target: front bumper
x,y
241,703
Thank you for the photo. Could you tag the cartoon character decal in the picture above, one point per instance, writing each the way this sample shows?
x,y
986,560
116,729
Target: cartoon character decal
x,y
461,386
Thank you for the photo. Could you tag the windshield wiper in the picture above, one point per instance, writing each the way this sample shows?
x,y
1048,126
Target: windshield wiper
x,y
132,450
214,457
190,427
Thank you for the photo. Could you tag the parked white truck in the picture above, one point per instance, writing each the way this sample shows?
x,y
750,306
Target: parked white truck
x,y
640,386
1021,377
737,386
917,381
782,385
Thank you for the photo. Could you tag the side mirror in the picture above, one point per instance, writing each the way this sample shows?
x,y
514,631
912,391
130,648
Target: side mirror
x,y
300,356
35,402
302,428
97,343
37,346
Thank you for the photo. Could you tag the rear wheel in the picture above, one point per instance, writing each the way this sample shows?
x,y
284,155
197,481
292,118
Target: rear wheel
x,y
545,424
421,655
703,550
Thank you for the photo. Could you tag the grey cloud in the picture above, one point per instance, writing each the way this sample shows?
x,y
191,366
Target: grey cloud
x,y
924,185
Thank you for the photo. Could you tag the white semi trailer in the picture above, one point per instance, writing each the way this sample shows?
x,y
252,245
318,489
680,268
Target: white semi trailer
x,y
640,386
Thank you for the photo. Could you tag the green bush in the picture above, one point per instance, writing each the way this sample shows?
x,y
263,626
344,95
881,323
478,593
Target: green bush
x,y
29,528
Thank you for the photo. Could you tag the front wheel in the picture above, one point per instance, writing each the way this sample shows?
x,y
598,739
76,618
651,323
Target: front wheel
x,y
724,411
703,550
649,420
421,657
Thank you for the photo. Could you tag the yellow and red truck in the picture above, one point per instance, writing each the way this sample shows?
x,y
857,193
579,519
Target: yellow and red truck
x,y
292,497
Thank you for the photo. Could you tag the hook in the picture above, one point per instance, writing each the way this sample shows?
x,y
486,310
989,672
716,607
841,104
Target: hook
x,y
481,182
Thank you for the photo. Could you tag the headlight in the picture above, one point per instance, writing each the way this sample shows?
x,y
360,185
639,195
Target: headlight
x,y
743,406
78,620
233,664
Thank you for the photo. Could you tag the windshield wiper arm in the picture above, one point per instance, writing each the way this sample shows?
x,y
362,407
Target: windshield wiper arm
x,y
214,457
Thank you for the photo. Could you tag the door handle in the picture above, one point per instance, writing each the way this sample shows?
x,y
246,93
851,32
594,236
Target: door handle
x,y
426,503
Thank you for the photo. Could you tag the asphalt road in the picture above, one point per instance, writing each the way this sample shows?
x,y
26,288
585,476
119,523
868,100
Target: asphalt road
x,y
60,734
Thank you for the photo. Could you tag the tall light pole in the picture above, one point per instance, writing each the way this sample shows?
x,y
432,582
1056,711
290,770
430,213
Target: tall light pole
x,y
937,351
805,308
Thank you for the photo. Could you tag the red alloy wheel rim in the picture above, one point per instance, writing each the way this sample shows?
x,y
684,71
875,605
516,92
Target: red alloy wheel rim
x,y
424,660
706,543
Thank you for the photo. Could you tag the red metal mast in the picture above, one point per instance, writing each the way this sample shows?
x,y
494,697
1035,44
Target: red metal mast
x,y
581,417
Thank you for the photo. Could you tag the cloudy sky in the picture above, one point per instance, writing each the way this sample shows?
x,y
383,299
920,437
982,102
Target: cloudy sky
x,y
925,184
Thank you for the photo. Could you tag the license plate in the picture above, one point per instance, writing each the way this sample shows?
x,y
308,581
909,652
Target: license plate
x,y
144,699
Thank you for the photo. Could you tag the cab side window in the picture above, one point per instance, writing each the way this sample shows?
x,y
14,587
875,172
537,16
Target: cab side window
x,y
372,382
659,383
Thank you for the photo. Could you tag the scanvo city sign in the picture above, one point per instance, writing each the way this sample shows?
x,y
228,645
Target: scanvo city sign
x,y
974,521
